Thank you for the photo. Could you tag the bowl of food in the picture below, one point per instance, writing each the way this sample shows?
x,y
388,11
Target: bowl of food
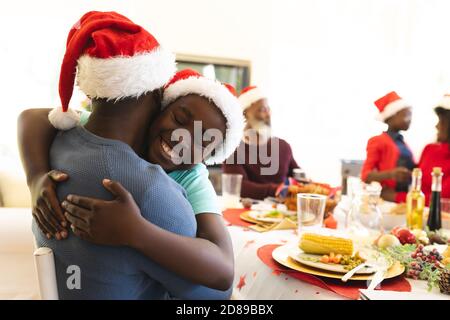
x,y
394,215
313,188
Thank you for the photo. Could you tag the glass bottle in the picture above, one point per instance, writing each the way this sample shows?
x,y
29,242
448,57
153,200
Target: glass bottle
x,y
415,202
434,217
365,211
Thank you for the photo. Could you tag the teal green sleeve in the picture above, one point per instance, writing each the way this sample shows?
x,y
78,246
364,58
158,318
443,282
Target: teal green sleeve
x,y
199,189
84,117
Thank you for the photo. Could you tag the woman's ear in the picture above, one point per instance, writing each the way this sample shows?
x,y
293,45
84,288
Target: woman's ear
x,y
157,97
158,94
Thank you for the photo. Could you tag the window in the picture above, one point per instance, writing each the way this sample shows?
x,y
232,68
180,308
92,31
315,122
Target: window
x,y
232,71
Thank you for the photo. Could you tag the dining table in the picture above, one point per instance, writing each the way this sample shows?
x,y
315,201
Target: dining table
x,y
255,280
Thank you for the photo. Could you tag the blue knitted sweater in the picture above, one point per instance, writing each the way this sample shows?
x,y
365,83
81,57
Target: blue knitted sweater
x,y
108,272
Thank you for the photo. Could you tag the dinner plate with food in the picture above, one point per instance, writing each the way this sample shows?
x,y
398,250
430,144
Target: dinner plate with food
x,y
335,257
333,262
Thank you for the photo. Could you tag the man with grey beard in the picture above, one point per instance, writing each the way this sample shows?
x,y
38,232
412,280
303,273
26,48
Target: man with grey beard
x,y
264,161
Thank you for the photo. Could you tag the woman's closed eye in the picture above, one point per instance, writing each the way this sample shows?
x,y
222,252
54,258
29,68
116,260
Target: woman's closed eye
x,y
176,119
181,117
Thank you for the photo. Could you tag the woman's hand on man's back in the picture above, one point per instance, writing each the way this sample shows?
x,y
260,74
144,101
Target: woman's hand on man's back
x,y
46,208
104,222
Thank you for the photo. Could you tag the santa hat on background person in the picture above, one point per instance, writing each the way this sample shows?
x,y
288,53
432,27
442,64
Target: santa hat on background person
x,y
445,102
231,89
112,58
187,82
249,96
389,105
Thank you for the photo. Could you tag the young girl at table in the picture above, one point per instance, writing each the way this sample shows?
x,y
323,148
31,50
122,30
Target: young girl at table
x,y
438,154
187,98
389,159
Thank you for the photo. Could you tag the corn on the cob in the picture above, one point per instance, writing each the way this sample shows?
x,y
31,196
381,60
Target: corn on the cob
x,y
319,244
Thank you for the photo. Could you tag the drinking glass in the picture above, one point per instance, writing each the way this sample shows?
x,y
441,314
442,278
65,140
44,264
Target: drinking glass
x,y
231,190
310,211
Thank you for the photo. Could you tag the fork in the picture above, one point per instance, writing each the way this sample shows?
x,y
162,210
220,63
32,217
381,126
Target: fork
x,y
350,274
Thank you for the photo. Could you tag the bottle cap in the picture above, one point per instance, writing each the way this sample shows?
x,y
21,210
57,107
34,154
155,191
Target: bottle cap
x,y
437,171
417,172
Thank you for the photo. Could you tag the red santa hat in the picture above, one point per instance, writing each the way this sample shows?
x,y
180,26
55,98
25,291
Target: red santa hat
x,y
111,58
250,95
445,102
223,96
389,105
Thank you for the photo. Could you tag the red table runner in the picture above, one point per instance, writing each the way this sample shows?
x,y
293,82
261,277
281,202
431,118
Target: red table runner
x,y
233,217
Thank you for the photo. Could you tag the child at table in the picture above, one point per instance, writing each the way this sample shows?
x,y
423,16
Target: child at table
x,y
187,98
389,159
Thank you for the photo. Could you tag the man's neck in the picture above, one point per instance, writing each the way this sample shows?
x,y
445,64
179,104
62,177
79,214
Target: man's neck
x,y
393,130
126,121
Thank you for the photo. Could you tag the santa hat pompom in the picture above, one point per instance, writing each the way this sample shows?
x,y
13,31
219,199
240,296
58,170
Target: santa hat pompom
x,y
64,120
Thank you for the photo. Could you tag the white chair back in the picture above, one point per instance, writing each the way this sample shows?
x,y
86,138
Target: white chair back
x,y
45,267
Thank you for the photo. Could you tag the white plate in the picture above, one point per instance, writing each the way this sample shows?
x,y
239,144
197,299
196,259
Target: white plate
x,y
440,248
264,217
304,258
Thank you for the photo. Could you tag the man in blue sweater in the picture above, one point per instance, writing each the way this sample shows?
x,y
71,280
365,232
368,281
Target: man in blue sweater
x,y
121,67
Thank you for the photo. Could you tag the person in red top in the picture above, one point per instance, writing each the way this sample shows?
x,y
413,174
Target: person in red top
x,y
264,161
389,159
438,154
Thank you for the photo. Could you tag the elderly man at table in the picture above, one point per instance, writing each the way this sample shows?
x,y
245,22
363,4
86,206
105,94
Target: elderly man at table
x,y
264,161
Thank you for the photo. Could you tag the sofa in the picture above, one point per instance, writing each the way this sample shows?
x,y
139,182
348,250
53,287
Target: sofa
x,y
18,278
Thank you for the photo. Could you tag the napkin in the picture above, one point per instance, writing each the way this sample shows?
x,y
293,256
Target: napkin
x,y
282,225
394,295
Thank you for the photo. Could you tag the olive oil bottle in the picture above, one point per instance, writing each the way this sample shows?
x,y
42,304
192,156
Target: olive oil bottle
x,y
434,218
415,202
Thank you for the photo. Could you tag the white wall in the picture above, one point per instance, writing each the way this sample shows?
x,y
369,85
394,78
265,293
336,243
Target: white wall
x,y
323,62
331,59
34,35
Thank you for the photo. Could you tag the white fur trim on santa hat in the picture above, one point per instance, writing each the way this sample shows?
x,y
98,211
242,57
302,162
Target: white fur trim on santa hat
x,y
250,97
223,99
120,77
391,109
64,120
445,103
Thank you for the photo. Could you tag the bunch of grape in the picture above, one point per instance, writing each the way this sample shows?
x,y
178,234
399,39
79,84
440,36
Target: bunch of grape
x,y
432,257
422,259
414,270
